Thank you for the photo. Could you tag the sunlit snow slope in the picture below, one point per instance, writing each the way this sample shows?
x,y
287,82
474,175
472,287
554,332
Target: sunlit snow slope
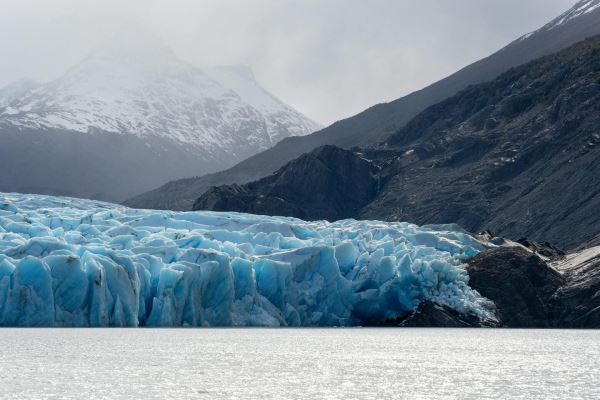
x,y
69,262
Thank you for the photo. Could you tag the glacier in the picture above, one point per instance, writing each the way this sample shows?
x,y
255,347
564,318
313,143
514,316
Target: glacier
x,y
69,262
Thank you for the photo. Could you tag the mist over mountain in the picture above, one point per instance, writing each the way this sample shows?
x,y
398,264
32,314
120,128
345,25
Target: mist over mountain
x,y
382,120
132,115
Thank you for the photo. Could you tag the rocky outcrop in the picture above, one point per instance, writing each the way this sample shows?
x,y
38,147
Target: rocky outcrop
x,y
527,290
327,183
577,303
433,315
547,250
532,293
520,284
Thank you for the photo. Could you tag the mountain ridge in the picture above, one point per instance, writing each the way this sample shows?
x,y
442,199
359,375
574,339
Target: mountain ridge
x,y
519,156
379,121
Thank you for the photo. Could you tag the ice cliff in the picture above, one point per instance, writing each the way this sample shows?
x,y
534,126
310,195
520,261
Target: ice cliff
x,y
71,262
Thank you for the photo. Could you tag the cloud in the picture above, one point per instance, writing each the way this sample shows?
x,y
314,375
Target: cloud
x,y
328,58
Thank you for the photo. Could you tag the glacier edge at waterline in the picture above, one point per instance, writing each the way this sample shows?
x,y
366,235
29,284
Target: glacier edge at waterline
x,y
71,262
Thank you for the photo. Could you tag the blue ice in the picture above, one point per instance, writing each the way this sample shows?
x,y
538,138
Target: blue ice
x,y
72,262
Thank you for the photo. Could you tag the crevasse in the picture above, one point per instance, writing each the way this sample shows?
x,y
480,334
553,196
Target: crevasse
x,y
71,262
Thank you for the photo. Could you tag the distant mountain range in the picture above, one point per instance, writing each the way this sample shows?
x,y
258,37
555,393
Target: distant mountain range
x,y
519,156
379,122
131,116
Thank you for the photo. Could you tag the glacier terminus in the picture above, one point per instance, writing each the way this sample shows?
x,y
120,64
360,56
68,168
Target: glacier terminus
x,y
70,262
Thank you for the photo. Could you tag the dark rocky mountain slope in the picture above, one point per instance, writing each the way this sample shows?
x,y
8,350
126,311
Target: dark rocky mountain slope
x,y
519,156
381,120
339,184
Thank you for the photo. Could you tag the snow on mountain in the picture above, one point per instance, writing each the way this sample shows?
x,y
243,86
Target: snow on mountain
x,y
280,118
16,90
582,8
71,262
136,86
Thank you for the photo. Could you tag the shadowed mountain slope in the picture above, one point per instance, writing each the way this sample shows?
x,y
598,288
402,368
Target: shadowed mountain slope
x,y
328,182
519,156
382,120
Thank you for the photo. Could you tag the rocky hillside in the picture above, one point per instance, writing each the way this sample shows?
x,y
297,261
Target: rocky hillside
x,y
519,156
327,183
532,292
379,121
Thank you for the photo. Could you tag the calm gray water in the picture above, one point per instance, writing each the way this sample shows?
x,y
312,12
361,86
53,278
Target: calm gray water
x,y
298,364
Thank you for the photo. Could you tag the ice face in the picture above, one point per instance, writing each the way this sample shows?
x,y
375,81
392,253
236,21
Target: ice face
x,y
70,262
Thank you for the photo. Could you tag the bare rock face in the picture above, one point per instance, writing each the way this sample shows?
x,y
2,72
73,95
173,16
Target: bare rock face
x,y
545,249
327,183
433,315
520,283
528,291
532,293
578,301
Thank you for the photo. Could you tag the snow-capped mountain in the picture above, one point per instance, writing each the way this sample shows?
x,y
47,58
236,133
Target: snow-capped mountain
x,y
15,91
580,9
134,98
138,87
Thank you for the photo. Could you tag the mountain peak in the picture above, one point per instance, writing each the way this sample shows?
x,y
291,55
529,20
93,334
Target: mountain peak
x,y
133,45
581,8
240,70
144,115
16,90
135,85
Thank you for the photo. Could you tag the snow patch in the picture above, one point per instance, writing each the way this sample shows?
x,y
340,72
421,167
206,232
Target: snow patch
x,y
577,258
581,8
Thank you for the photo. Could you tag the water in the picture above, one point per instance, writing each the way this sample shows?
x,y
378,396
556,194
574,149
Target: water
x,y
299,364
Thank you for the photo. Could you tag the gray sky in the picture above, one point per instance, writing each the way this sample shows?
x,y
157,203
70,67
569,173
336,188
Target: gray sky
x,y
328,58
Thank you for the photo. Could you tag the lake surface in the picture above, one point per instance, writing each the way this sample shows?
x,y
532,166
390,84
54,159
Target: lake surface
x,y
298,363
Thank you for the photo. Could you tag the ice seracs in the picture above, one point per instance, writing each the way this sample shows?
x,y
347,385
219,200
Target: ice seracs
x,y
69,262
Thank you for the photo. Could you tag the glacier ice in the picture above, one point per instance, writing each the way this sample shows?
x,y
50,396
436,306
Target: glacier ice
x,y
72,262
